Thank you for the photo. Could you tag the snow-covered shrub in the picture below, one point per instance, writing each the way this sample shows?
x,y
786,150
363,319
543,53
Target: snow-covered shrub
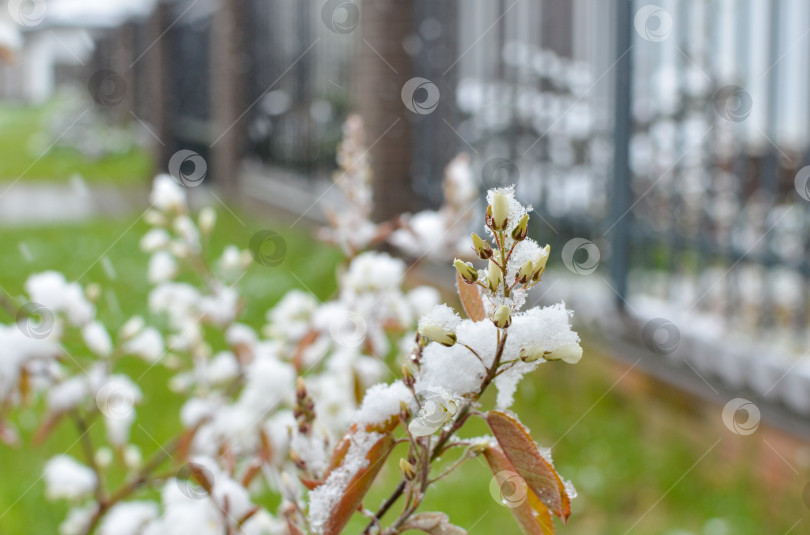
x,y
303,407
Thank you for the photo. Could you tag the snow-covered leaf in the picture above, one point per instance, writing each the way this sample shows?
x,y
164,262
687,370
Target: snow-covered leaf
x,y
350,493
530,514
523,453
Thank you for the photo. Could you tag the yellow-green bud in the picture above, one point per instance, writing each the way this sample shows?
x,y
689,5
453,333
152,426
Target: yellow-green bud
x,y
482,247
434,333
407,376
465,269
407,469
532,354
494,276
525,273
540,263
502,318
500,211
403,408
207,220
570,353
520,232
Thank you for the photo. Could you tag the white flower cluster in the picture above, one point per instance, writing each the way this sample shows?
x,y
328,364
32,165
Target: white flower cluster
x,y
243,421
351,226
420,233
300,403
453,368
434,234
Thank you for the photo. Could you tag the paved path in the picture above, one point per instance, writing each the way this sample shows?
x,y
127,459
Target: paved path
x,y
70,201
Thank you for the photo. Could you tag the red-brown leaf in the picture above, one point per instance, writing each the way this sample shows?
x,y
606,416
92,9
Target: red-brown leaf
x,y
340,451
531,515
522,452
358,486
470,299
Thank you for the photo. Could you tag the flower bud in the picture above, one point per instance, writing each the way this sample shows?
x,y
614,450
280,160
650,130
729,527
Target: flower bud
x,y
465,269
297,460
207,220
500,211
482,247
92,291
570,353
407,376
245,259
532,354
132,457
407,469
502,318
404,410
494,276
103,457
540,263
520,232
155,218
434,333
132,327
179,249
524,275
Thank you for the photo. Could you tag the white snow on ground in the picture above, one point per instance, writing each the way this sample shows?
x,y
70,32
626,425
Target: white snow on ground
x,y
772,364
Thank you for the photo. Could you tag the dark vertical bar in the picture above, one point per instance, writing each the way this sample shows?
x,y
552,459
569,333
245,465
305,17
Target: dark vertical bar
x,y
769,167
622,194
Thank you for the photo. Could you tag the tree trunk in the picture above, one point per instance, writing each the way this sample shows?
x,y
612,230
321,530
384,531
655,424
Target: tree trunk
x,y
228,53
381,69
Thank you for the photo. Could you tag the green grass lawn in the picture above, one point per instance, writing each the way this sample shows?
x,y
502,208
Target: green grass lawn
x,y
24,153
628,457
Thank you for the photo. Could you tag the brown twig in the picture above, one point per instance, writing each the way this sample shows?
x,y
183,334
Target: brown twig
x,y
436,451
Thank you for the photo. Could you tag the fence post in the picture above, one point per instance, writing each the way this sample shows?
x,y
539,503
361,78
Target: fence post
x,y
622,194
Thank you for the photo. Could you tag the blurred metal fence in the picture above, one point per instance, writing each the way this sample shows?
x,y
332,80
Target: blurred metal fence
x,y
671,134
718,221
670,139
